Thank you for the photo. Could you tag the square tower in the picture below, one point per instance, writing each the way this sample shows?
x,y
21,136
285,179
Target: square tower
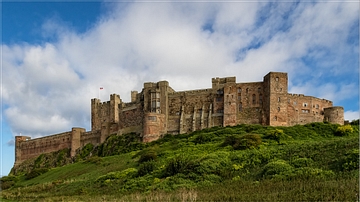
x,y
275,99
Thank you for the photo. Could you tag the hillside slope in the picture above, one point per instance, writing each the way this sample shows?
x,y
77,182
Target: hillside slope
x,y
316,161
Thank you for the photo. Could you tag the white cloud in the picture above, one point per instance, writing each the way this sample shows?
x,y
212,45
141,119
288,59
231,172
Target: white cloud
x,y
351,115
48,87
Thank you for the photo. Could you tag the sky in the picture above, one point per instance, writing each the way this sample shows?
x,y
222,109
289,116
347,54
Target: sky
x,y
56,55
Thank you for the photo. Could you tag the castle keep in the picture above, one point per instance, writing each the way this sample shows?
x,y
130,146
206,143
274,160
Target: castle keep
x,y
159,110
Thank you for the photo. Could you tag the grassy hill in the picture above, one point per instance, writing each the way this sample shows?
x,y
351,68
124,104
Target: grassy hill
x,y
317,161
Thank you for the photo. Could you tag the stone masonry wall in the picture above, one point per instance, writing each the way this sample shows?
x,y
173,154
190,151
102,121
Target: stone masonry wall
x,y
305,109
250,103
34,147
189,110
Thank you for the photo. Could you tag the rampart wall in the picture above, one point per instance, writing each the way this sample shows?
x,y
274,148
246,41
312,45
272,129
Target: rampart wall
x,y
92,137
306,109
30,148
250,100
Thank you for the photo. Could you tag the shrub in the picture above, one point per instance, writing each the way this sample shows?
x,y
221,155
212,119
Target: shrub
x,y
230,140
177,165
277,167
355,122
351,161
276,135
35,172
302,162
86,150
203,138
248,141
148,155
7,181
127,173
309,173
344,130
146,167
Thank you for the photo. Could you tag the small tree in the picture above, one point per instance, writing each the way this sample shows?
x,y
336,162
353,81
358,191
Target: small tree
x,y
276,135
344,130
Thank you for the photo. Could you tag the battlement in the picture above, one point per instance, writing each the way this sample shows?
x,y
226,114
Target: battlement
x,y
193,91
223,80
157,84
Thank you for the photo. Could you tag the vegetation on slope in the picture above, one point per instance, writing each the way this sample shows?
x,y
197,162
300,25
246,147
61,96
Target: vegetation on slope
x,y
317,161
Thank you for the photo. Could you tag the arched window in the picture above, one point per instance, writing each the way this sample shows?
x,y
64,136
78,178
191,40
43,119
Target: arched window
x,y
259,90
278,99
278,109
247,90
277,79
260,99
275,118
254,99
239,90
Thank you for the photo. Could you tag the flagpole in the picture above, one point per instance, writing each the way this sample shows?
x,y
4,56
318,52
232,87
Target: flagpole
x,y
100,90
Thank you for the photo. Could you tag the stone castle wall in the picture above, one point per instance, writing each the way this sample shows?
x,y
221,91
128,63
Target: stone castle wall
x,y
159,110
27,148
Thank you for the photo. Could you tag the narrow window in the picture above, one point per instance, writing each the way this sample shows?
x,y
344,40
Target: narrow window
x,y
277,79
278,109
240,106
259,90
278,99
239,90
275,118
239,97
247,90
260,99
254,99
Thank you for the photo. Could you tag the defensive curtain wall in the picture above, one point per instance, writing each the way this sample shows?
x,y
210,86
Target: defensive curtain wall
x,y
159,110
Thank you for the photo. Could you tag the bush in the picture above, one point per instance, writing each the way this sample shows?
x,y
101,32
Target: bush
x,y
94,160
351,161
309,173
355,122
36,172
177,165
344,130
7,181
278,167
276,135
302,162
148,155
248,141
146,167
127,173
203,138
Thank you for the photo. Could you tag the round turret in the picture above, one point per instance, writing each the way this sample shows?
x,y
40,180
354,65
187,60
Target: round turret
x,y
334,115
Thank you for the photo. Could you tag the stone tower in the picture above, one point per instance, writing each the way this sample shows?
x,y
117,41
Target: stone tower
x,y
155,110
275,102
334,115
18,148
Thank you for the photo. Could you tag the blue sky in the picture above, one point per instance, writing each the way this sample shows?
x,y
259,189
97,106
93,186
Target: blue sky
x,y
55,56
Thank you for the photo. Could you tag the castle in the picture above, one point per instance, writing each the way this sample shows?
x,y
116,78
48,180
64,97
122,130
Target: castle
x,y
159,110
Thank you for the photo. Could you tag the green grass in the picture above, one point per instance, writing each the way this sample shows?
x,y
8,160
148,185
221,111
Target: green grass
x,y
307,163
